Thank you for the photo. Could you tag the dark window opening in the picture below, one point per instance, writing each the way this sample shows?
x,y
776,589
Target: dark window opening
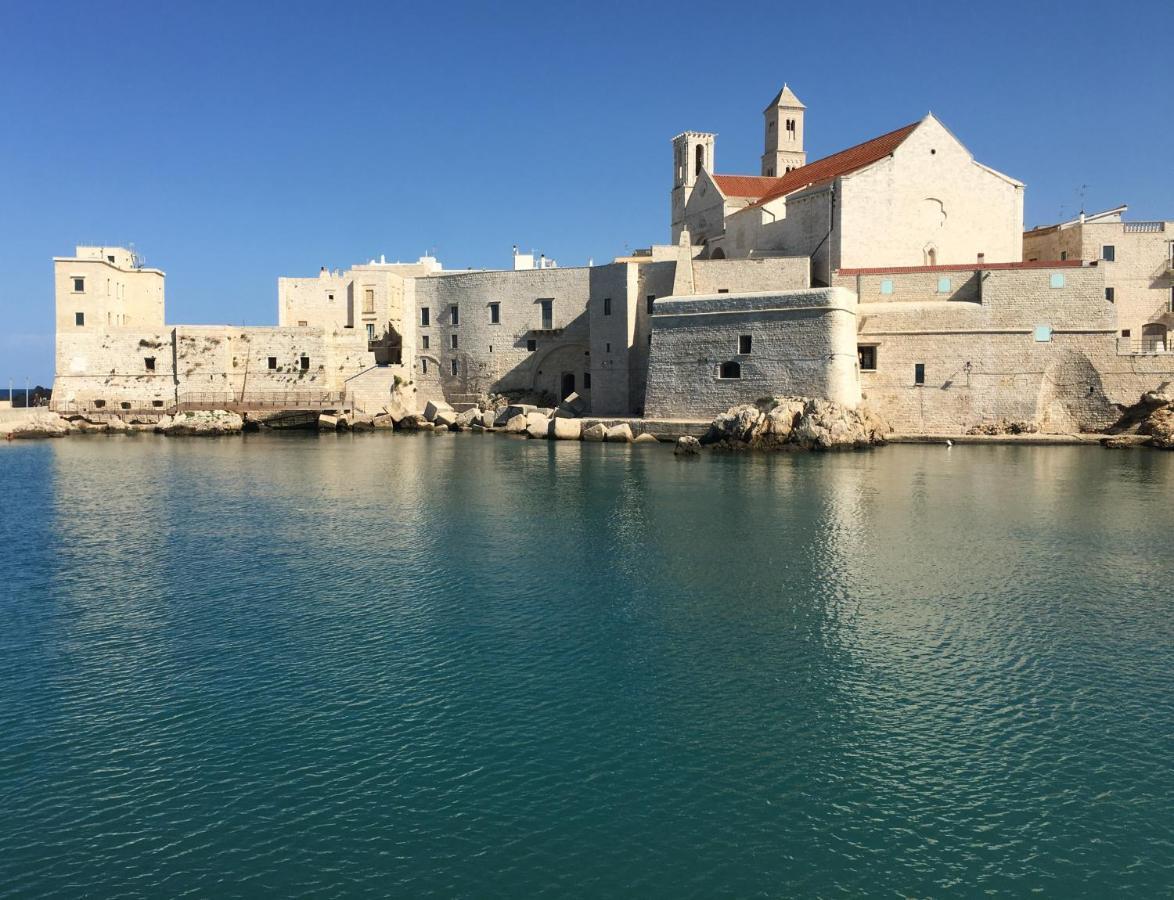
x,y
454,315
79,285
586,381
156,403
919,373
531,345
453,342
99,404
607,306
1109,253
273,362
651,300
607,347
454,366
494,313
424,342
730,370
305,363
867,358
79,318
425,317
745,341
1110,294
547,307
124,404
149,362
1063,255
700,152
424,366
109,258
1125,332
723,290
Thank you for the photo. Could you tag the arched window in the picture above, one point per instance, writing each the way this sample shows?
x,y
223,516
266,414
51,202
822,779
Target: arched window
x,y
700,158
931,257
730,370
719,253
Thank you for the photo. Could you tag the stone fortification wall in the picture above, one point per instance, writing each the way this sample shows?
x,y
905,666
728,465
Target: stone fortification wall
x,y
497,356
142,370
740,276
1039,348
802,343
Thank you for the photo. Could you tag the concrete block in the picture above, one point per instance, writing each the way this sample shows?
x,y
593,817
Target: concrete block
x,y
539,428
516,425
646,438
434,407
596,432
621,433
565,429
327,422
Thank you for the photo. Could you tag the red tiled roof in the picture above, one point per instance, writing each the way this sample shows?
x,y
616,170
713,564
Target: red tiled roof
x,y
744,185
967,267
837,164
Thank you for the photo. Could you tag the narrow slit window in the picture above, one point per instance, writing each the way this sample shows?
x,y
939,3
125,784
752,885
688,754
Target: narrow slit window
x,y
745,341
425,316
494,313
454,315
454,366
919,373
453,342
607,306
305,363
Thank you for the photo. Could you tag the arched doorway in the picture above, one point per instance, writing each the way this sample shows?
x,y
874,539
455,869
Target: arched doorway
x,y
1153,338
568,385
719,253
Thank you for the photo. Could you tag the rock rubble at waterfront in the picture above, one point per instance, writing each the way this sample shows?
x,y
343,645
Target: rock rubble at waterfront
x,y
1150,421
795,423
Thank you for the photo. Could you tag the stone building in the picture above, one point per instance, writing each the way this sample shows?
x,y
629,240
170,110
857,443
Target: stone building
x,y
891,272
1138,262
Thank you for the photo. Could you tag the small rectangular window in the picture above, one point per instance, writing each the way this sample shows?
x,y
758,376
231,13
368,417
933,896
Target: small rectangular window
x,y
303,323
424,366
454,315
1125,332
531,345
424,342
109,258
723,290
156,403
305,363
79,318
586,381
494,313
1110,294
547,307
425,315
79,285
607,306
1043,334
944,284
607,347
1063,255
369,300
149,362
886,286
370,331
454,365
330,296
1109,253
453,341
273,362
919,373
125,404
99,404
1057,280
867,356
744,343
651,299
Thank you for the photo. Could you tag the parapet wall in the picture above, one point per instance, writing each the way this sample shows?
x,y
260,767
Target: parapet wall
x,y
801,343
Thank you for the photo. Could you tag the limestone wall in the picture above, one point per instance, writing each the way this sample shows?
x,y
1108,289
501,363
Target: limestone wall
x,y
802,343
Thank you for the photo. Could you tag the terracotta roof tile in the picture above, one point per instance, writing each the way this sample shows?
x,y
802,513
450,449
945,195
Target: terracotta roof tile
x,y
837,164
744,185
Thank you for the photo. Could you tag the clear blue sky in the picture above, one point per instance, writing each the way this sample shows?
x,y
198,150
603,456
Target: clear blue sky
x,y
233,142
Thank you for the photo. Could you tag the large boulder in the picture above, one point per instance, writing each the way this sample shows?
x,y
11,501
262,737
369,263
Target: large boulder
x,y
468,417
434,407
384,420
1160,427
596,432
204,423
362,422
565,429
645,438
572,407
795,423
687,446
515,425
39,424
326,422
444,417
489,419
538,428
514,409
401,405
620,434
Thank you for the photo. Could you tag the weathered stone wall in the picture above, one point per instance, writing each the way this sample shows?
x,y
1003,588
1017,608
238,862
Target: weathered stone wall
x,y
802,344
983,361
739,276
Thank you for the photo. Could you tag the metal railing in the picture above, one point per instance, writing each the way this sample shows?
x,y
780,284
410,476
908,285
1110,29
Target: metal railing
x,y
1143,345
191,402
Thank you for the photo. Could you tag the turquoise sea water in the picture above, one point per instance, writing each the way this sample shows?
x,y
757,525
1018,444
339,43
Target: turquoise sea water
x,y
467,666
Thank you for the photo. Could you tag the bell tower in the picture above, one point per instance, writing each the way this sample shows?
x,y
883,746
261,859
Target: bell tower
x,y
692,152
784,134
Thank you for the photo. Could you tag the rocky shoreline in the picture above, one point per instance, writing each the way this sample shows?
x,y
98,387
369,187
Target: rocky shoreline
x,y
770,424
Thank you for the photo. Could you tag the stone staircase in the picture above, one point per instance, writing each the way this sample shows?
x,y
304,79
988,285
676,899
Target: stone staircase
x,y
370,390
